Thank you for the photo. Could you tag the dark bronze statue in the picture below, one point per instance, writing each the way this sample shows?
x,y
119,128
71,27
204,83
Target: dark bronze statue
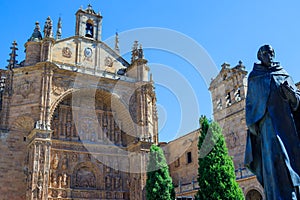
x,y
273,120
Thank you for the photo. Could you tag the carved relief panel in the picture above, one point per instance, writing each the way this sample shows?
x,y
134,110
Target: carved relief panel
x,y
72,174
26,89
61,84
85,178
59,174
72,122
37,169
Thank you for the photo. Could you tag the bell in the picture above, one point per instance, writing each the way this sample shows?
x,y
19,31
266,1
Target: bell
x,y
88,33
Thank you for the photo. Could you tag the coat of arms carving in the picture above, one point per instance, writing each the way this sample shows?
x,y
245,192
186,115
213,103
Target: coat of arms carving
x,y
66,52
108,61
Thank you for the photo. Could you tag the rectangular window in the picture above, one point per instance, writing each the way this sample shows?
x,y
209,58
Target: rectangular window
x,y
189,157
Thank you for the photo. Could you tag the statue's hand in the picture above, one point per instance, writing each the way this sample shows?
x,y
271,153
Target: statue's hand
x,y
289,94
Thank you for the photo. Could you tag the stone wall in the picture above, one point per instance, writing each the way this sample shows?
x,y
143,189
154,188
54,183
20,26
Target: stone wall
x,y
182,157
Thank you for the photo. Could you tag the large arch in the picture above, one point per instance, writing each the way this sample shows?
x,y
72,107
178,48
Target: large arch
x,y
54,105
88,114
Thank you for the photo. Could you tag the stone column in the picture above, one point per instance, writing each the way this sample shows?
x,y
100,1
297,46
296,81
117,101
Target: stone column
x,y
39,148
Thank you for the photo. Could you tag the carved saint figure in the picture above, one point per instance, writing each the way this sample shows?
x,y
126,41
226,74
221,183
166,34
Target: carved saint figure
x,y
59,181
272,116
65,179
39,185
64,165
55,162
53,179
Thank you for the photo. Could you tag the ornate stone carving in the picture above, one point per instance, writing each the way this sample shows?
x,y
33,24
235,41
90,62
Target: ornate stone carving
x,y
42,157
63,194
54,193
25,87
108,61
66,52
23,123
55,126
85,178
87,129
61,84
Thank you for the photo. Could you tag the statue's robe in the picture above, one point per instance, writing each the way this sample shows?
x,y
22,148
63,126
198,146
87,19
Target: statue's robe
x,y
273,140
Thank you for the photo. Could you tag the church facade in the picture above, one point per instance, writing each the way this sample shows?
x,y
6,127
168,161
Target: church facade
x,y
76,119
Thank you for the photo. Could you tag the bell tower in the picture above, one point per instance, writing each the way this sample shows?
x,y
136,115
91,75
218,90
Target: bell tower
x,y
88,23
228,92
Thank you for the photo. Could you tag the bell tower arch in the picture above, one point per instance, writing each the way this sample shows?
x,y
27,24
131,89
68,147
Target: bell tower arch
x,y
88,23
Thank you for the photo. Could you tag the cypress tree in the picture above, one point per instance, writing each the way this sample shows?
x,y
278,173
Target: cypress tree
x,y
216,175
159,182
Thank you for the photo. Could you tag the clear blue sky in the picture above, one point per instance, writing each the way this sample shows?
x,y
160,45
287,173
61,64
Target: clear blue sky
x,y
228,30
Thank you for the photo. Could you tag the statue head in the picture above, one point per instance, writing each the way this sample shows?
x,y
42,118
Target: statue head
x,y
266,54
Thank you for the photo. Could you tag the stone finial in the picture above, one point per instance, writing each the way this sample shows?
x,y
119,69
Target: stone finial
x,y
135,51
241,65
90,10
135,45
12,60
59,30
141,52
36,35
117,48
48,33
225,65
